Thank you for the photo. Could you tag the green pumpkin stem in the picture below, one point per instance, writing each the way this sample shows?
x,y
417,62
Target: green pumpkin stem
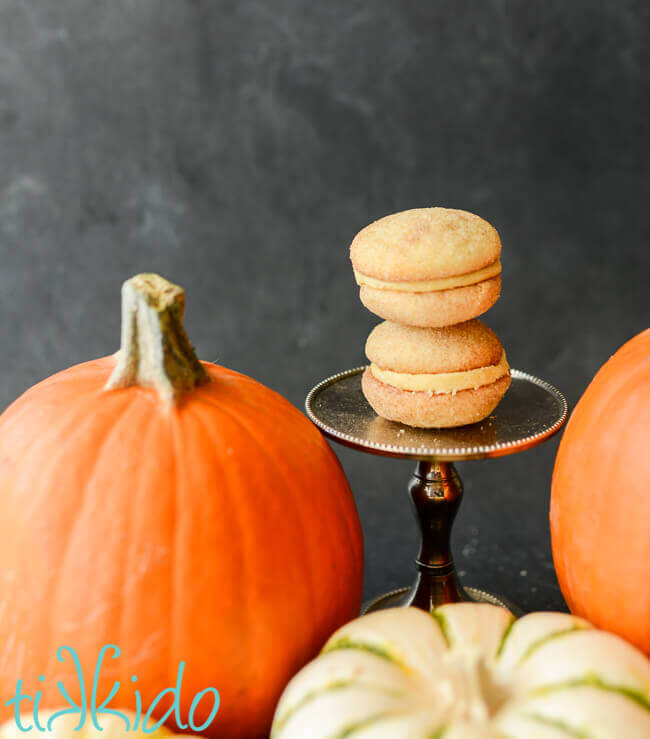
x,y
155,350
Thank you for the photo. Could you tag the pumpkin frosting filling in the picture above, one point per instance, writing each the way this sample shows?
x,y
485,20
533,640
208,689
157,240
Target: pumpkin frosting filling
x,y
425,286
443,382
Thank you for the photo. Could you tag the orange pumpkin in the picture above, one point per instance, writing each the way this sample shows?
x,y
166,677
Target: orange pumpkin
x,y
176,509
600,501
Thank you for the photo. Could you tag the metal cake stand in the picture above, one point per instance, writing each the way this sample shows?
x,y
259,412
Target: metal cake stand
x,y
531,412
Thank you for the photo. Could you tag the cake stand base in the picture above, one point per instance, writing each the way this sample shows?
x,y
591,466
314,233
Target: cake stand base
x,y
531,412
401,597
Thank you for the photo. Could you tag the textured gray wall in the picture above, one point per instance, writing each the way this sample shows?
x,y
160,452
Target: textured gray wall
x,y
237,146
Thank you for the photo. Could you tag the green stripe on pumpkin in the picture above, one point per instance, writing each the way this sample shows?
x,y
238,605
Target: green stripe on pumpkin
x,y
346,643
558,724
505,636
359,726
548,638
281,721
593,681
441,620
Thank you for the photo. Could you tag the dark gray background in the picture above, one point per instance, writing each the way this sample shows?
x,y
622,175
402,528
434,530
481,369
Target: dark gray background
x,y
237,147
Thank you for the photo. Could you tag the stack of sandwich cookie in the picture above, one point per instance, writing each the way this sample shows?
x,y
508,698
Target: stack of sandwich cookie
x,y
431,271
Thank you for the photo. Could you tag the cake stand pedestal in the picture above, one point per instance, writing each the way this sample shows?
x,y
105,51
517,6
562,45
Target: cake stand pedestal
x,y
530,412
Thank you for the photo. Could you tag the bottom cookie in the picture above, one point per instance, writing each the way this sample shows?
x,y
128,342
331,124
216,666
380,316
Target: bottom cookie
x,y
433,410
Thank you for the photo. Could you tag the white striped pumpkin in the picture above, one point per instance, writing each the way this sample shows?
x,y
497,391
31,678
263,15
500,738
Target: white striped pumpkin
x,y
469,671
64,728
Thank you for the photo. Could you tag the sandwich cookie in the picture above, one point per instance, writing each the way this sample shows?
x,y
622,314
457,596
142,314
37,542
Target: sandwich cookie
x,y
435,377
428,266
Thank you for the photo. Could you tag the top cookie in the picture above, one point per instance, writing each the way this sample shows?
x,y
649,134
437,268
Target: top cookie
x,y
425,244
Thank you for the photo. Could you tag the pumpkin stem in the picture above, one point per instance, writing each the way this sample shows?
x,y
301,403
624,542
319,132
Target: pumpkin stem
x,y
155,350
